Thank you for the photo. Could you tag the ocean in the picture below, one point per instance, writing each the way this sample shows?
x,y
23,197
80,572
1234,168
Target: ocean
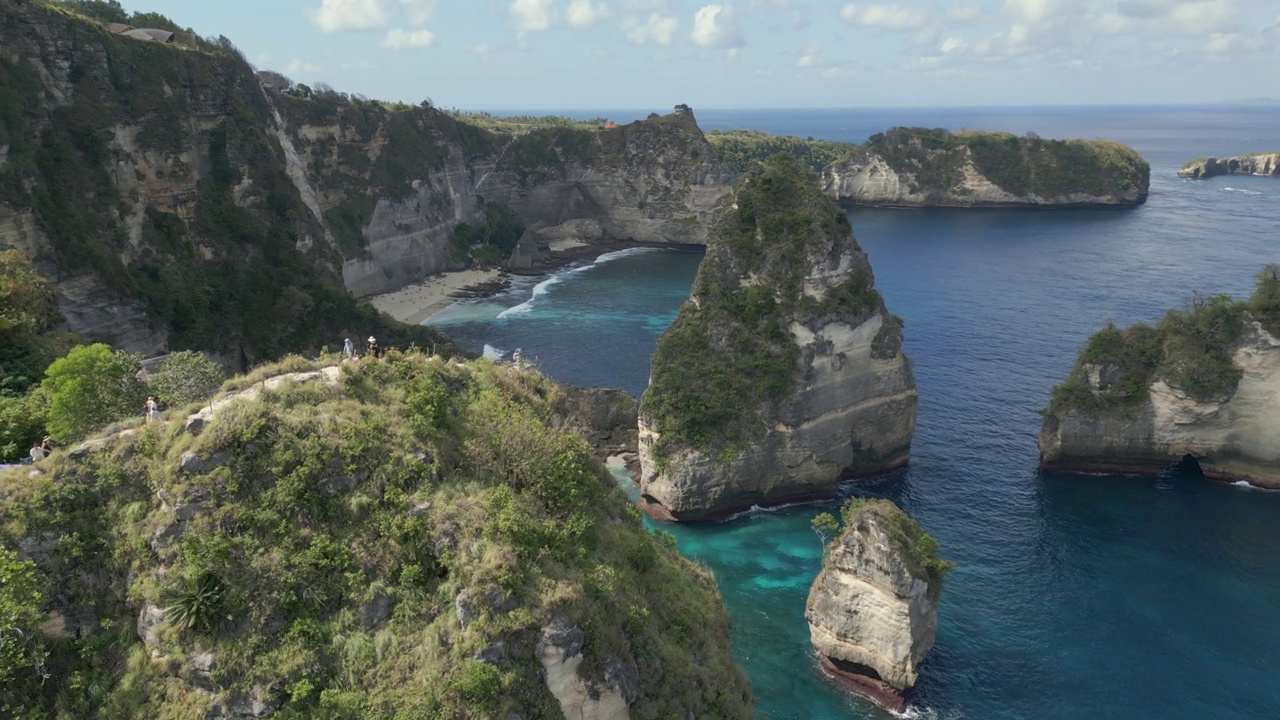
x,y
1072,596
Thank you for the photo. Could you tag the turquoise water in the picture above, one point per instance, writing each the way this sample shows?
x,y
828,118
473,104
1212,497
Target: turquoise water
x,y
1073,596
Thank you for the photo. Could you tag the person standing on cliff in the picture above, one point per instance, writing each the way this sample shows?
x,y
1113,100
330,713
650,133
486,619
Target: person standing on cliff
x,y
37,453
348,348
373,347
152,408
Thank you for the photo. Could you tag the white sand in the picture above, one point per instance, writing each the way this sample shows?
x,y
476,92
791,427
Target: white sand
x,y
415,303
562,244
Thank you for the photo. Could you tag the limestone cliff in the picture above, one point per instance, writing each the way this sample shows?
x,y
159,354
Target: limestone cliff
x,y
1267,163
783,373
873,609
917,167
1204,384
406,537
176,200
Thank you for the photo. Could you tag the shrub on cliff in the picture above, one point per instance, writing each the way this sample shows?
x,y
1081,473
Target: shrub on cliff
x,y
388,546
740,149
1190,349
917,548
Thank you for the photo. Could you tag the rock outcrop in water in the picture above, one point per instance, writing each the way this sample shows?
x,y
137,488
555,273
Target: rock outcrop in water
x,y
404,537
1267,163
873,609
917,167
1203,384
783,372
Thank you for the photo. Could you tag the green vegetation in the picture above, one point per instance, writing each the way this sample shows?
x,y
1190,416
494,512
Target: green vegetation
x,y
389,546
90,387
740,149
521,124
729,354
20,601
490,244
1190,349
186,377
1026,165
917,548
226,271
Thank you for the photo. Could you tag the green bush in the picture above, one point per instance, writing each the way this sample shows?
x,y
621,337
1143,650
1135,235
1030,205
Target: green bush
x,y
740,149
89,388
917,548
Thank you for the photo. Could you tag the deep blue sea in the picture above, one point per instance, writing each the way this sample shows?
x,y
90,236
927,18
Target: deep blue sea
x,y
1072,596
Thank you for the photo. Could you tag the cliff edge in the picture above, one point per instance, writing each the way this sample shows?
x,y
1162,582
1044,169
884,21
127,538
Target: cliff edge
x,y
1267,163
873,609
408,536
1203,384
919,167
783,372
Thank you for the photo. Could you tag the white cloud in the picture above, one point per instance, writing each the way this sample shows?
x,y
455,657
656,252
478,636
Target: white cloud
x,y
341,15
398,39
296,67
716,26
952,44
732,54
810,55
657,30
1034,11
531,15
482,51
418,12
897,18
836,73
584,13
965,13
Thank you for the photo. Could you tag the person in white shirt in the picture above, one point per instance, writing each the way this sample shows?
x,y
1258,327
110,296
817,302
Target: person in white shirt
x,y
37,453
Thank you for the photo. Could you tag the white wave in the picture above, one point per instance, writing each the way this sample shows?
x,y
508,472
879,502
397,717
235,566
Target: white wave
x,y
1248,486
759,510
1242,191
541,288
493,353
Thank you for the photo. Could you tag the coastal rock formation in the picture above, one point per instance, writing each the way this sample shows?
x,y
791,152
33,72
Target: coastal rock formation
x,y
1204,385
531,253
317,532
918,167
153,177
873,609
783,373
1267,163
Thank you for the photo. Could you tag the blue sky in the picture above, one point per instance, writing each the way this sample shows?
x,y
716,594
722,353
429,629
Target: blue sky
x,y
571,54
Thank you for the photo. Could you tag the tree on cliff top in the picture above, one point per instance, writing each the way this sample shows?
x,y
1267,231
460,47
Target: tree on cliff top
x,y
89,388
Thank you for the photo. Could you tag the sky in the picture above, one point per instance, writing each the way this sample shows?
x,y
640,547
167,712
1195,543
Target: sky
x,y
596,54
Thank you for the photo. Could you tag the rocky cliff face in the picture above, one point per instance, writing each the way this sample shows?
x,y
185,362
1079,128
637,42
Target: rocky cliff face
x,y
916,167
783,373
1233,436
654,180
1253,164
165,190
872,616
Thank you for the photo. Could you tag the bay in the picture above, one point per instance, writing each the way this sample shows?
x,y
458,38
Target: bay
x,y
1073,596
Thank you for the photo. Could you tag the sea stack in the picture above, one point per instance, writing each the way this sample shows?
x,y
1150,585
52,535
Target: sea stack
x,y
783,373
1202,385
873,609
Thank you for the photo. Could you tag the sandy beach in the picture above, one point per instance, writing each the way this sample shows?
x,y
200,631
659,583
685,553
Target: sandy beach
x,y
414,303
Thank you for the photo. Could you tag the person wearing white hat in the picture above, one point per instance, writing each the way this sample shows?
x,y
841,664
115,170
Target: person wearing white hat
x,y
373,347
